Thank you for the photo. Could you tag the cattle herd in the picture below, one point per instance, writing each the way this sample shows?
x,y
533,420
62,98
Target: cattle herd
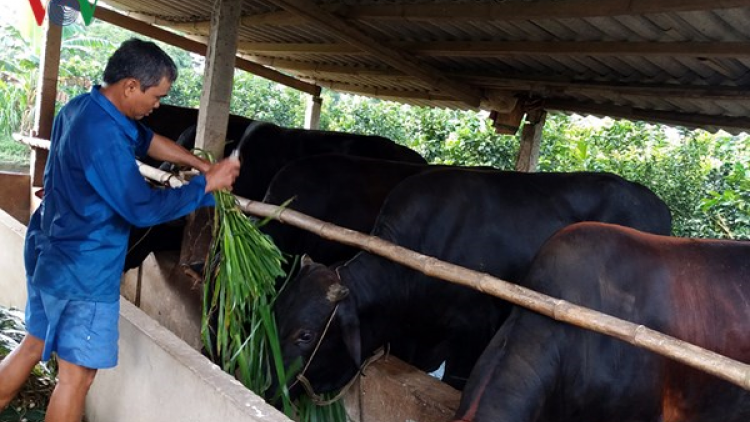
x,y
592,239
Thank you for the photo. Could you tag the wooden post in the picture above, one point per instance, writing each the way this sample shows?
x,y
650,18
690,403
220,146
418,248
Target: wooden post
x,y
531,139
44,109
312,113
213,114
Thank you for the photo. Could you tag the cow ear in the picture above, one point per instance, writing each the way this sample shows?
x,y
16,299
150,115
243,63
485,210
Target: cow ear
x,y
305,261
349,322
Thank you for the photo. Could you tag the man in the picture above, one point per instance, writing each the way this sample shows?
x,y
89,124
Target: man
x,y
77,239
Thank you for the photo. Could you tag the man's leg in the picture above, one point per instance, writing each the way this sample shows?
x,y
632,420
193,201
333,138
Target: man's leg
x,y
69,397
16,367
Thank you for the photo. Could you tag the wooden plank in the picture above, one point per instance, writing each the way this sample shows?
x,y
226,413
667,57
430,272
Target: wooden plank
x,y
394,58
312,112
44,108
196,47
218,79
531,140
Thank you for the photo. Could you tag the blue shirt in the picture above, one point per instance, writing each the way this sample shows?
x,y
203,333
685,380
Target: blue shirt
x,y
93,192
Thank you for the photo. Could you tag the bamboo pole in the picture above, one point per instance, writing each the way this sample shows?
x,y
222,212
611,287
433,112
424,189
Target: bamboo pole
x,y
639,335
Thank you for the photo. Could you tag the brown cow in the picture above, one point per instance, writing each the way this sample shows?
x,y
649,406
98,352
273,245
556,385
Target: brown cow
x,y
540,370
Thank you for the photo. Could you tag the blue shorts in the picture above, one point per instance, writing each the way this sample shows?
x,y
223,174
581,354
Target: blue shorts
x,y
79,332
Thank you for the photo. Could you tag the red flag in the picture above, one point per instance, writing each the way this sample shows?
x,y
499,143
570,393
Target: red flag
x,y
38,8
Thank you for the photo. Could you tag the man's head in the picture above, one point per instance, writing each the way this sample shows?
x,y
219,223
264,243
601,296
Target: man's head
x,y
137,76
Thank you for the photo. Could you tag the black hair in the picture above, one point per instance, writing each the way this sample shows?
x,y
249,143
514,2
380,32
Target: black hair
x,y
141,60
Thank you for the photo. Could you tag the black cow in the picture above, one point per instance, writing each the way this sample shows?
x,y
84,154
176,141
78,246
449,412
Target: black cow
x,y
341,189
265,149
540,370
490,221
171,121
174,121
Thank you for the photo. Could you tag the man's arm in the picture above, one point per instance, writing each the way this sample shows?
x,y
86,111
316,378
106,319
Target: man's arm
x,y
164,149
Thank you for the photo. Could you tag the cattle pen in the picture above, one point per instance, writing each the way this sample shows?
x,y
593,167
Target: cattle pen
x,y
674,62
148,349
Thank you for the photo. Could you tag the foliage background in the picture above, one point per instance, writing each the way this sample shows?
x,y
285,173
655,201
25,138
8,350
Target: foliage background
x,y
703,177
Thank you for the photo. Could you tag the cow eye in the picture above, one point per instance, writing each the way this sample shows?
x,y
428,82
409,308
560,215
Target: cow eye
x,y
305,336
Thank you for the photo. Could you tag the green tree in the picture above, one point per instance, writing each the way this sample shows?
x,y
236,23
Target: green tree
x,y
18,74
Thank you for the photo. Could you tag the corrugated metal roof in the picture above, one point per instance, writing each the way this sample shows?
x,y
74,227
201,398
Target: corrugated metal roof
x,y
680,62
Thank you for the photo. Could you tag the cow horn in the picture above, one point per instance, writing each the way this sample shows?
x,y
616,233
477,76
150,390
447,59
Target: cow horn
x,y
336,292
305,261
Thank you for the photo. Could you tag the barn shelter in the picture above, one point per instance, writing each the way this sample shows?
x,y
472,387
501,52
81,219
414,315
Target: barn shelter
x,y
676,62
668,61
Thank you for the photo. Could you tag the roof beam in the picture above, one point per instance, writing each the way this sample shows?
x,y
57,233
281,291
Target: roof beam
x,y
507,11
666,117
307,67
299,48
504,48
171,38
578,48
282,18
541,86
523,83
387,93
394,58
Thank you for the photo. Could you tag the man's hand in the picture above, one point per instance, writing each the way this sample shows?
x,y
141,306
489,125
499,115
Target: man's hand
x,y
222,174
164,149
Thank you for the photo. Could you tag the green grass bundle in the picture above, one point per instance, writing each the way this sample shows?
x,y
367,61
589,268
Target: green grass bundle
x,y
238,328
238,295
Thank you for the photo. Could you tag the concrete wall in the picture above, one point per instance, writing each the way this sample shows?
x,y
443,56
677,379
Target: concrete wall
x,y
12,271
15,197
166,295
160,378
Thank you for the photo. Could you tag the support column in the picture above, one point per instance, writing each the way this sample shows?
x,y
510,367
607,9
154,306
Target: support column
x,y
44,109
312,113
531,139
213,115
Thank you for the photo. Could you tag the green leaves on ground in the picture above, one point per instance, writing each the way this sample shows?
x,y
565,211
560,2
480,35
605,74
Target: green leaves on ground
x,y
30,403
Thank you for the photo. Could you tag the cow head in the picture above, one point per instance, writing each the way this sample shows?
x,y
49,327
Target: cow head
x,y
317,311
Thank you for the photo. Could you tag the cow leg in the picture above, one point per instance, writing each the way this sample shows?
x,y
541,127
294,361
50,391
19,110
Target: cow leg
x,y
516,373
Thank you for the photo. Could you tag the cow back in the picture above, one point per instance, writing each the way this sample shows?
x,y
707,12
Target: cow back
x,y
341,189
267,148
